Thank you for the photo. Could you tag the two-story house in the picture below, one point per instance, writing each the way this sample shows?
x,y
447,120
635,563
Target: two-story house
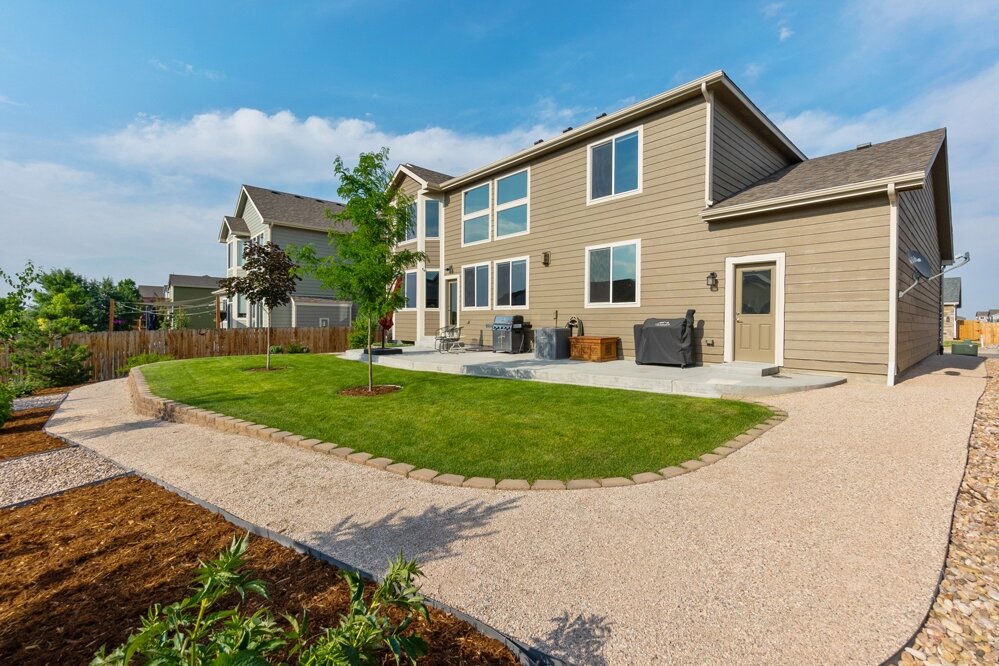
x,y
262,216
693,199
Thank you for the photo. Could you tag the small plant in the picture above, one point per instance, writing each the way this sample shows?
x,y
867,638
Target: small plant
x,y
358,336
143,359
296,348
6,402
22,386
199,631
276,349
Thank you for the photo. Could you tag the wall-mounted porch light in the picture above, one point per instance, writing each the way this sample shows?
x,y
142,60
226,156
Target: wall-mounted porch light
x,y
712,280
546,258
449,269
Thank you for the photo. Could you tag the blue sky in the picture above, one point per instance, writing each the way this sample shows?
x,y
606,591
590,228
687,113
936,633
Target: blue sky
x,y
126,128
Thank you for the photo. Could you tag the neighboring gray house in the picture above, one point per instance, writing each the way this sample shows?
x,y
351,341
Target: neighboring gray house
x,y
951,302
264,215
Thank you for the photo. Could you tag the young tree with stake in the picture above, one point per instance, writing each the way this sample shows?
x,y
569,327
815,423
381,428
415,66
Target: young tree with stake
x,y
270,279
367,260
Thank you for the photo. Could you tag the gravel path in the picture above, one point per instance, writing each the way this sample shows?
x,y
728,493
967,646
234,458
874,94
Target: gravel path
x,y
41,474
820,542
963,626
34,401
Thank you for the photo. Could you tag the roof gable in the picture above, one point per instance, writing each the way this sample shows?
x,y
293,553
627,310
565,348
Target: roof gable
x,y
291,210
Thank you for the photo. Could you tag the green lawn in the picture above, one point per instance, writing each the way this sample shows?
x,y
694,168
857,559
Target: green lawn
x,y
473,426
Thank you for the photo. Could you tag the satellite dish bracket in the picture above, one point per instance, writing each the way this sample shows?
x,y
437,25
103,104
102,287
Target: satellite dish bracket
x,y
963,259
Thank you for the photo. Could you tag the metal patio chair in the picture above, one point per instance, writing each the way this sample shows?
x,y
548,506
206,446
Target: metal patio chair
x,y
448,340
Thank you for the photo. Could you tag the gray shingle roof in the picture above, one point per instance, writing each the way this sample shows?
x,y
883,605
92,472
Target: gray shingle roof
x,y
952,290
237,225
150,291
293,209
317,300
432,177
198,281
881,160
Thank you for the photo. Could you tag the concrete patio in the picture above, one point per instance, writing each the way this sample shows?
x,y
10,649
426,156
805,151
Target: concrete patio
x,y
730,379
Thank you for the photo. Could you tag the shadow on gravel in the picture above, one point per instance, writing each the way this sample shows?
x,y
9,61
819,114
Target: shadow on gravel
x,y
433,534
581,637
111,430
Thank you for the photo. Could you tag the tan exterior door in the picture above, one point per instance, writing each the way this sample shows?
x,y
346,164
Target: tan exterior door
x,y
755,322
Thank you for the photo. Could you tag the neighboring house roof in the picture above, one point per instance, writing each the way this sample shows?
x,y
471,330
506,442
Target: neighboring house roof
x,y
284,208
892,159
150,291
196,281
952,291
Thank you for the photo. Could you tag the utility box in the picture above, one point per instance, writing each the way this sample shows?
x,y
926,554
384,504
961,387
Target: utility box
x,y
551,344
964,349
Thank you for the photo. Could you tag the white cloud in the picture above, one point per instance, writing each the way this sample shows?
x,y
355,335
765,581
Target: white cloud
x,y
753,71
282,149
784,33
185,69
9,102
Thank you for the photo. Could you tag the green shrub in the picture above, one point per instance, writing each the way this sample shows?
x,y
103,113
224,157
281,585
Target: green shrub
x,y
295,348
22,386
200,631
277,349
52,366
6,402
358,336
143,359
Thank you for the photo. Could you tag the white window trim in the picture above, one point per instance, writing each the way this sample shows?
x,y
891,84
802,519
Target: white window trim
x,y
527,283
778,258
589,166
487,211
489,286
440,218
440,275
523,201
406,308
637,242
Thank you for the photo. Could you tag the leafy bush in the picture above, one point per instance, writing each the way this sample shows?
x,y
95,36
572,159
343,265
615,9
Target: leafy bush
x,y
22,386
276,349
143,359
358,336
199,631
295,348
6,402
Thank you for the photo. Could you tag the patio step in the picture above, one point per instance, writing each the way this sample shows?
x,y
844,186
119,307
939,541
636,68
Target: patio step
x,y
747,368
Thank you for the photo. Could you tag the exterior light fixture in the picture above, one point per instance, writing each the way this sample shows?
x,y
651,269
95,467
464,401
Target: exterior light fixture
x,y
712,280
546,258
449,269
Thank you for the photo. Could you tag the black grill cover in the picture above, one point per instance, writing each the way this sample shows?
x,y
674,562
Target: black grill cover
x,y
665,341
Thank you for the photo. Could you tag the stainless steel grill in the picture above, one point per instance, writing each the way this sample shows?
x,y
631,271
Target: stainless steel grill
x,y
508,334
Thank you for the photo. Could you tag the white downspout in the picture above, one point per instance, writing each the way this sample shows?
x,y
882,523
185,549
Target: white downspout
x,y
892,284
709,98
421,268
442,274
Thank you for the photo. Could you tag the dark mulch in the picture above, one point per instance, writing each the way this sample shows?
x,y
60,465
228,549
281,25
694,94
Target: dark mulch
x,y
78,570
56,389
377,389
22,434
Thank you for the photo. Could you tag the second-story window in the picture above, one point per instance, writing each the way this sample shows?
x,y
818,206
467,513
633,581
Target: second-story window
x,y
432,218
411,229
512,204
475,215
615,165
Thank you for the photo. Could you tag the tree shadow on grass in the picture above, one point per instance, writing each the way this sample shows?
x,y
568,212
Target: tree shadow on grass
x,y
581,637
436,533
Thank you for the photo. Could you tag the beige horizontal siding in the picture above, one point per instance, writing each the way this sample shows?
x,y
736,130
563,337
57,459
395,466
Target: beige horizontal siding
x,y
740,157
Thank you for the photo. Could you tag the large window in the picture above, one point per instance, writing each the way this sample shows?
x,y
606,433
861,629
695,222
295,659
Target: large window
x,y
432,218
409,289
512,204
616,165
411,229
476,279
431,297
511,283
475,215
612,274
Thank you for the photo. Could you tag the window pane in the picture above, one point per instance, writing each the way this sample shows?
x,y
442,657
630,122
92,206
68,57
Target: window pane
x,y
511,221
476,229
624,273
518,283
239,253
626,163
511,188
755,292
476,199
411,229
468,278
600,275
503,283
228,254
433,290
482,286
601,165
410,290
433,218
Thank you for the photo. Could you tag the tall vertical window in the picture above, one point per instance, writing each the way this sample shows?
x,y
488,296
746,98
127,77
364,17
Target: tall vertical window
x,y
512,204
475,215
476,279
432,218
511,283
616,165
228,254
409,288
433,295
612,274
411,229
239,253
240,306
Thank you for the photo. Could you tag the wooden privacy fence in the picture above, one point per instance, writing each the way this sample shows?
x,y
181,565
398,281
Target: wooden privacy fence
x,y
111,351
984,333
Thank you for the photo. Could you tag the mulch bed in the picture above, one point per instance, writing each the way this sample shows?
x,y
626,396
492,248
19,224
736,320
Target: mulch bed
x,y
78,570
22,434
54,390
362,391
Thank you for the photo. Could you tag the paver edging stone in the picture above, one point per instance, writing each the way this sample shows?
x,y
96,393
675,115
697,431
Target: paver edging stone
x,y
148,404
